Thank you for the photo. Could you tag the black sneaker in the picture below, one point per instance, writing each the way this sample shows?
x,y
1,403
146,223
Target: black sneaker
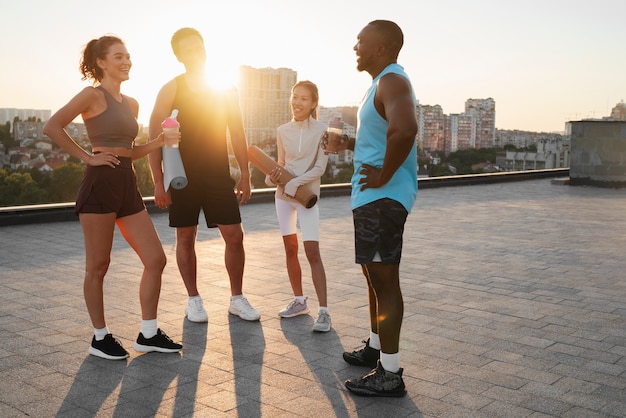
x,y
366,356
160,342
378,382
108,348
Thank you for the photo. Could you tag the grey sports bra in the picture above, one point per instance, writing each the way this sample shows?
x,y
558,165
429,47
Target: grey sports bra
x,y
115,127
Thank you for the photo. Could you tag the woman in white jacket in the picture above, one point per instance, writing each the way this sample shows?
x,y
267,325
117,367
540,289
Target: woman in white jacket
x,y
299,152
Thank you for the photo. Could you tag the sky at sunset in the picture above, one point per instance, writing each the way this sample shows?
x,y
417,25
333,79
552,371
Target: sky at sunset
x,y
543,62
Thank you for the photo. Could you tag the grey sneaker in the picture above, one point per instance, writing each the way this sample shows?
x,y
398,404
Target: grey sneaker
x,y
323,323
295,308
378,382
195,311
242,308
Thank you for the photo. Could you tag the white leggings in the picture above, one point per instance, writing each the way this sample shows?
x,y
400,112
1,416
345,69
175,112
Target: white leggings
x,y
289,212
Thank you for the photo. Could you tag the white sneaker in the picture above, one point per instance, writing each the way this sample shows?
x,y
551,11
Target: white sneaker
x,y
295,308
323,323
242,308
195,311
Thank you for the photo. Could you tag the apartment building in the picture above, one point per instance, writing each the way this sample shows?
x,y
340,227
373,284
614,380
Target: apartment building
x,y
431,128
9,115
265,101
551,153
474,128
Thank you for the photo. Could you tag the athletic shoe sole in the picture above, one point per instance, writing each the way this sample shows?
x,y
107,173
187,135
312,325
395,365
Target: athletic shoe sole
x,y
371,392
98,353
196,319
151,348
302,312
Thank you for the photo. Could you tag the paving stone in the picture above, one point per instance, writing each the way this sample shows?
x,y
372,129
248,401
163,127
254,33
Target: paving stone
x,y
514,306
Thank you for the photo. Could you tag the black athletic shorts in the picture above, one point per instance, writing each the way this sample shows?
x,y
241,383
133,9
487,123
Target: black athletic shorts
x,y
218,203
378,227
110,190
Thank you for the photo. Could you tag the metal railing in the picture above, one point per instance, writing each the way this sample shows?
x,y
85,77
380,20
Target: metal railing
x,y
60,212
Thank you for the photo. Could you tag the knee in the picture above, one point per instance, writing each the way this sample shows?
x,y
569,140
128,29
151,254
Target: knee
x,y
157,262
314,257
291,251
233,239
97,269
312,254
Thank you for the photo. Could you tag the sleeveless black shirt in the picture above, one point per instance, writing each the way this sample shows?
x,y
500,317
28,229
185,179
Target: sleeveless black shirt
x,y
204,117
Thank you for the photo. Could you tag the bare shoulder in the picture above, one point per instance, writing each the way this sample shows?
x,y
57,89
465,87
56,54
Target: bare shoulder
x,y
91,92
168,88
393,84
133,103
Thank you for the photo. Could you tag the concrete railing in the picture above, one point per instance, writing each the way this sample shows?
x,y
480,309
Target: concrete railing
x,y
59,212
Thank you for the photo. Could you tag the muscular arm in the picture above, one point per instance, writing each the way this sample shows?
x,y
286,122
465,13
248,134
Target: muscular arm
x,y
240,146
394,101
161,110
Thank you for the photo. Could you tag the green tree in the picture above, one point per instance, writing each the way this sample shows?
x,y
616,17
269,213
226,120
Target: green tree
x,y
65,182
144,176
19,189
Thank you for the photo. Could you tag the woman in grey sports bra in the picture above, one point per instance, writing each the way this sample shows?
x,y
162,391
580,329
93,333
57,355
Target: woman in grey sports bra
x,y
108,194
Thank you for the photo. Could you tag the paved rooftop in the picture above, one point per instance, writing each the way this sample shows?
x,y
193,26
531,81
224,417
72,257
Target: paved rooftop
x,y
515,306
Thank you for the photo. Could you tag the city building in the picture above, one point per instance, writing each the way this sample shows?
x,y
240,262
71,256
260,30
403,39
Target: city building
x,y
483,115
619,111
474,128
10,114
551,153
431,129
265,101
523,139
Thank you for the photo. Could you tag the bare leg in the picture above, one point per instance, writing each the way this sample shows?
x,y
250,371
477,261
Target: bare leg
x,y
318,274
139,232
186,257
234,256
98,234
385,284
373,304
294,271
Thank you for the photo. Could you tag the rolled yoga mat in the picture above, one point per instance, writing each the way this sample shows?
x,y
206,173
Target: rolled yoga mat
x,y
173,170
265,163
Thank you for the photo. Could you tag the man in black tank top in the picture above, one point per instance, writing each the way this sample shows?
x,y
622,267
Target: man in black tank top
x,y
205,115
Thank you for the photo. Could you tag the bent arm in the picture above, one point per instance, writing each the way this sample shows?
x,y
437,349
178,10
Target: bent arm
x,y
55,127
162,108
239,144
394,101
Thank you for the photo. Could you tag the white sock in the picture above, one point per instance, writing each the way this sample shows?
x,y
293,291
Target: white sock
x,y
323,309
374,341
100,333
197,297
390,362
149,328
301,300
235,297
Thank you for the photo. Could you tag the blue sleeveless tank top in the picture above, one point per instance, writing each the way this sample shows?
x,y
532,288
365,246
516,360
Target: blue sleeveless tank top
x,y
115,127
370,147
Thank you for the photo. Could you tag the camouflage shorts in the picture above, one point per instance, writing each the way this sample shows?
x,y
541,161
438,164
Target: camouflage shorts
x,y
378,227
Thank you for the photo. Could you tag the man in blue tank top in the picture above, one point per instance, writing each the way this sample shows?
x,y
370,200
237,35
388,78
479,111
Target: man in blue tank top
x,y
384,188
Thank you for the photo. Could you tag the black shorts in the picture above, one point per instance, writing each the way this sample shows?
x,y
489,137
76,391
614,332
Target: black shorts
x,y
110,190
217,201
378,227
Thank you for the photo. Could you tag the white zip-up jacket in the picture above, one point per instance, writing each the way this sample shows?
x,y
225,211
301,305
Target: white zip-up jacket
x,y
300,153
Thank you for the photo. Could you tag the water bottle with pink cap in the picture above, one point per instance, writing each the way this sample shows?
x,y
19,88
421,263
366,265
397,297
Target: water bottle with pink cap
x,y
170,130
